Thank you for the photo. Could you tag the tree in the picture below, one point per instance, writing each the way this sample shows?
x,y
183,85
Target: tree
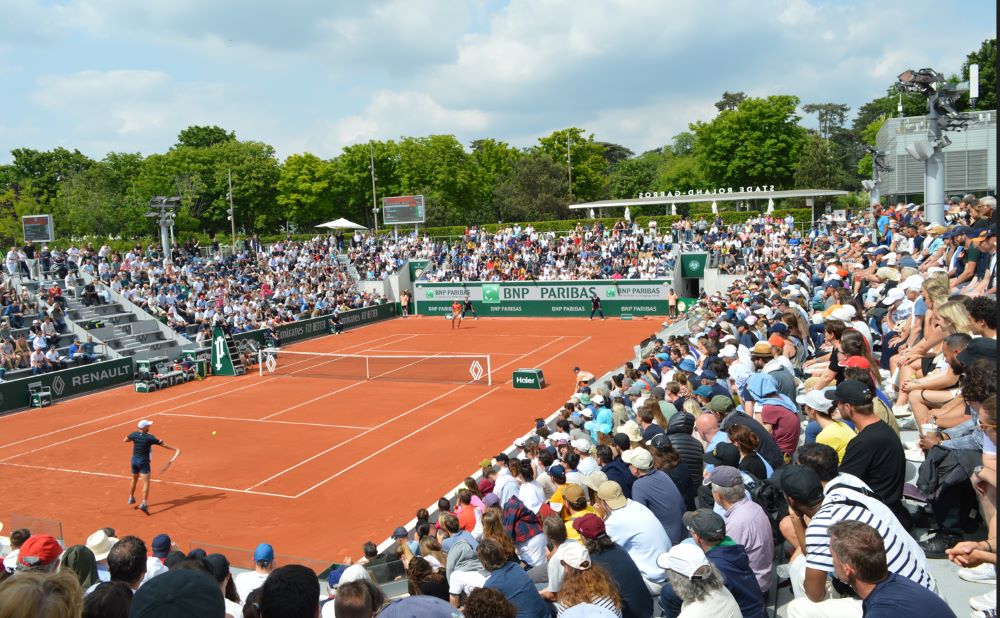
x,y
352,184
45,169
16,202
305,195
913,105
590,168
756,144
683,144
437,167
491,161
818,167
535,189
631,177
204,136
615,153
868,135
986,58
730,101
831,116
102,200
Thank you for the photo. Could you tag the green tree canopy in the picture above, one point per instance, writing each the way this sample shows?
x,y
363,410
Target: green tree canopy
x,y
204,136
534,190
590,168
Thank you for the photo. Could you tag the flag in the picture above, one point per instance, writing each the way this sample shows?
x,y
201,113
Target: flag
x,y
693,265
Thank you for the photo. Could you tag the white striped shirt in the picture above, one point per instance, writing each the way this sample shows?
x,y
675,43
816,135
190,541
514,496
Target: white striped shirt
x,y
903,555
602,602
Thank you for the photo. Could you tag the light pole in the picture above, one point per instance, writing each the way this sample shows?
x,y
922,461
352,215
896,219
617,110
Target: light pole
x,y
371,158
163,209
569,160
232,212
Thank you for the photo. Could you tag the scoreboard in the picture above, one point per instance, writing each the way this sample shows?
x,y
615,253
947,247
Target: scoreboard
x,y
403,210
37,228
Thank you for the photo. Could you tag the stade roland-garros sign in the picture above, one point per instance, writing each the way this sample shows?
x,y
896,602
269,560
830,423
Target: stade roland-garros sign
x,y
708,192
545,298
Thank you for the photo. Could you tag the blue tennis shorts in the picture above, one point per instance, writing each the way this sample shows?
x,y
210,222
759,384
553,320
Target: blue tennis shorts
x,y
140,466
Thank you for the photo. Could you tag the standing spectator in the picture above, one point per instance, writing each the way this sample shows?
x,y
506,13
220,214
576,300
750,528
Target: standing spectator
x,y
859,560
636,599
510,579
698,583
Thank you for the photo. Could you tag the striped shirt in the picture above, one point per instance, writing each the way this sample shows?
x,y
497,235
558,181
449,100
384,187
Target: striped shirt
x,y
602,602
903,555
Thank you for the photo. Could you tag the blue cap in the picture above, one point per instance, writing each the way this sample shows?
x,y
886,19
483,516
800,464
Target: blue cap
x,y
662,356
778,327
557,470
687,365
161,545
704,391
708,374
263,553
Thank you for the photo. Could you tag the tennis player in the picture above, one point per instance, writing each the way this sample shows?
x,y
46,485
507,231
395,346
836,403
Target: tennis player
x,y
456,314
142,444
595,306
468,308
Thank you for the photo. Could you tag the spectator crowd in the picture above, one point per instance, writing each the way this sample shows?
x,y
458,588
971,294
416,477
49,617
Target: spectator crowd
x,y
757,448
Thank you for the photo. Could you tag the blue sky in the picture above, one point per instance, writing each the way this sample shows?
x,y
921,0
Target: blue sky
x,y
314,76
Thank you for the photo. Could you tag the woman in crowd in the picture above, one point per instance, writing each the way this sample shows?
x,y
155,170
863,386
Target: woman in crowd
x,y
585,582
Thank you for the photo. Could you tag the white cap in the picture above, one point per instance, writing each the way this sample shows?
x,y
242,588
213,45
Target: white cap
x,y
728,351
581,445
598,399
638,457
815,399
894,296
844,313
685,559
144,423
913,283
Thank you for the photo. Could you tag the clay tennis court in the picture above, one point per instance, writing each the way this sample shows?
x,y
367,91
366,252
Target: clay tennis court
x,y
313,464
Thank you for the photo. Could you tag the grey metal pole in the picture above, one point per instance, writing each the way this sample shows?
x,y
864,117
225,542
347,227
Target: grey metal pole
x,y
232,211
164,235
934,171
569,160
371,155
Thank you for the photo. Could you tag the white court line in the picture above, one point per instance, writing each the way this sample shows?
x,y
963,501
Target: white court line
x,y
446,353
123,476
393,419
257,420
435,421
224,383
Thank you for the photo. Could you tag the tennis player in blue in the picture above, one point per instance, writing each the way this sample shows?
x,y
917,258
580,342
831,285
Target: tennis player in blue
x,y
142,444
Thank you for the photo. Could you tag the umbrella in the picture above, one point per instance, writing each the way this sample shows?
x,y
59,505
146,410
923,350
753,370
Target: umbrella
x,y
715,208
342,224
770,205
628,214
673,209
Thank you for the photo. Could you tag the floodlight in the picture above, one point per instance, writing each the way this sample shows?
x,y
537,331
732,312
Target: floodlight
x,y
921,151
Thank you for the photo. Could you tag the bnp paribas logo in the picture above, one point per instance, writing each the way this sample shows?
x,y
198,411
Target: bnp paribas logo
x,y
491,293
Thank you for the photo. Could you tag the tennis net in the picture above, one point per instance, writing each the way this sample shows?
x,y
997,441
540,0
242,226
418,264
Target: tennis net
x,y
452,369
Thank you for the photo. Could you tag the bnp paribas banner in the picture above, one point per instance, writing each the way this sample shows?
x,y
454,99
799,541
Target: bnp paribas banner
x,y
545,298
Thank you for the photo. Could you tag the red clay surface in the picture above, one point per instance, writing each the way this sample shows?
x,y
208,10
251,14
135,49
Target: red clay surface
x,y
315,466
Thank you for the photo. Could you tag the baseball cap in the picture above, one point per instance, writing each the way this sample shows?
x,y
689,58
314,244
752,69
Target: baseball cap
x,y
720,404
557,471
598,399
594,479
590,526
708,374
638,457
400,533
220,566
632,431
980,347
895,295
728,351
724,454
660,441
580,444
708,524
850,392
38,551
576,418
611,492
815,399
913,282
144,423
161,545
685,559
780,327
687,365
576,556
263,553
724,476
798,482
573,493
177,593
585,399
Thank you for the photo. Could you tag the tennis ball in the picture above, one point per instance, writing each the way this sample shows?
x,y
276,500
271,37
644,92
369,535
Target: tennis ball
x,y
213,433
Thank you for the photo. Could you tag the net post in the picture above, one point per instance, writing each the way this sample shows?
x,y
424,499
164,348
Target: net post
x,y
489,370
368,372
260,362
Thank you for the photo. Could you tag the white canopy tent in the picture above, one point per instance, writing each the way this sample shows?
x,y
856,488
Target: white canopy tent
x,y
342,224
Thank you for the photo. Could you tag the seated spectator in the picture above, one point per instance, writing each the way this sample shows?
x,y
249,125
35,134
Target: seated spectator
x,y
220,570
679,430
708,531
355,599
291,591
584,582
41,593
489,603
833,433
523,527
654,490
748,444
109,600
40,553
668,460
80,560
859,560
698,583
183,592
637,602
422,578
510,579
463,569
746,522
776,411
56,360
634,528
263,564
575,506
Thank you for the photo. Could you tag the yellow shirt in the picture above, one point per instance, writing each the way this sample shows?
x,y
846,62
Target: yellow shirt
x,y
836,436
571,532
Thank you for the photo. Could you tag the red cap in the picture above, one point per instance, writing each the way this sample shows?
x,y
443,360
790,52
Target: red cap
x,y
589,526
39,550
776,340
858,362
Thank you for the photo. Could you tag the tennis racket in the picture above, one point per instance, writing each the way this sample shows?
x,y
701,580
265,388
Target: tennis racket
x,y
166,466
